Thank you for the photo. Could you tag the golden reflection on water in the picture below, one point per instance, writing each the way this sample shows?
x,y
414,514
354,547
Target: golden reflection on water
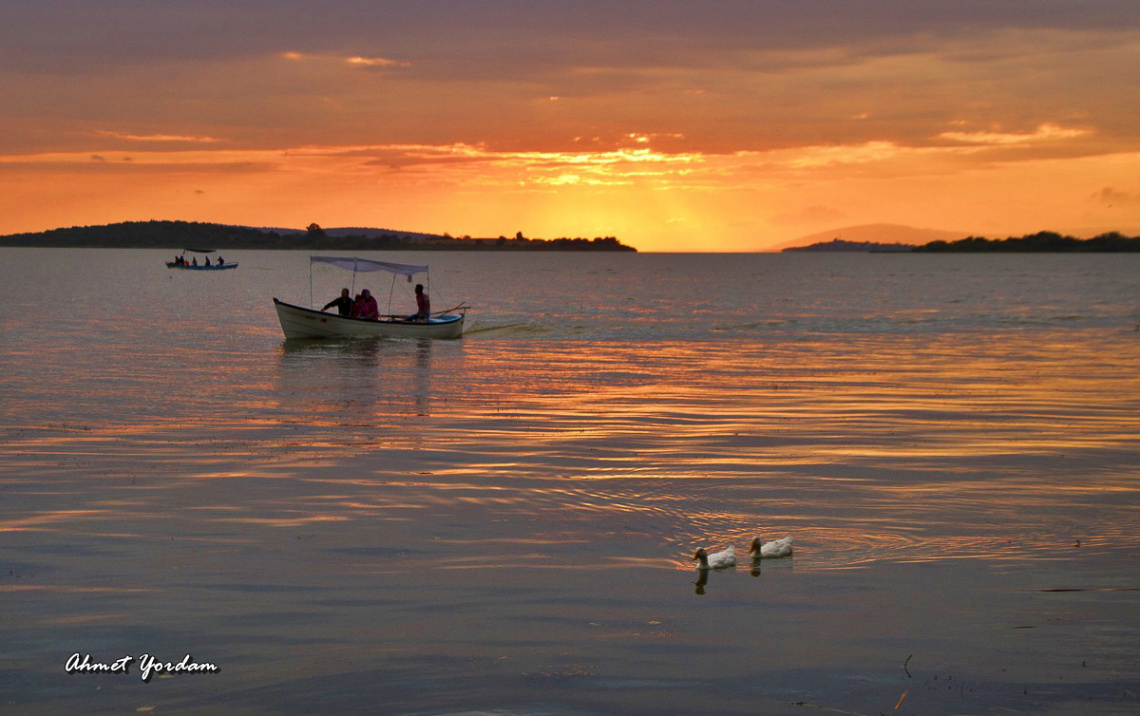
x,y
902,449
44,520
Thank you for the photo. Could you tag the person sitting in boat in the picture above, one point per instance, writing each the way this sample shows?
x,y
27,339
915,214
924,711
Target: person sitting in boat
x,y
207,260
194,261
423,305
221,261
343,303
368,307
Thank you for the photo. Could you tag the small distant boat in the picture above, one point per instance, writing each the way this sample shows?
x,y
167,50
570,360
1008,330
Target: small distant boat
x,y
300,322
181,263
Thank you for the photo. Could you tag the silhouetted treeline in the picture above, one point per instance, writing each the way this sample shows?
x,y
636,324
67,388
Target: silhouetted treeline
x,y
850,246
1039,242
176,235
154,235
608,243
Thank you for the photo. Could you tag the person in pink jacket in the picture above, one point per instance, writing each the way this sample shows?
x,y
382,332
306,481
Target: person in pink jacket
x,y
368,307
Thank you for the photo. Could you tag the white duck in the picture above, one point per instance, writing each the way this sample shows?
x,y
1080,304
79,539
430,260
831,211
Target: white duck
x,y
771,550
716,560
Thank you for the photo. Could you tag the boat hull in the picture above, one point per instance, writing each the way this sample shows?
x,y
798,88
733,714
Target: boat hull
x,y
299,322
187,267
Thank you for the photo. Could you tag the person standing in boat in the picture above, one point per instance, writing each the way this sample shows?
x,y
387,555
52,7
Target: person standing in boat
x,y
423,305
368,307
343,303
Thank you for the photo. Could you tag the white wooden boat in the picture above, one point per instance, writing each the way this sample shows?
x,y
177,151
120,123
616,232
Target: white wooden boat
x,y
300,322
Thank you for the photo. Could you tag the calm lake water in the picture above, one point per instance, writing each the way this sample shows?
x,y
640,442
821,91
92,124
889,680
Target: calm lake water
x,y
502,524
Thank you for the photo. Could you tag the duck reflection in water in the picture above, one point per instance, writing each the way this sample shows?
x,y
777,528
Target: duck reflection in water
x,y
702,580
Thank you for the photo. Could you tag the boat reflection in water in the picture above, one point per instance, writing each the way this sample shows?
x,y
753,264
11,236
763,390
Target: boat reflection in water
x,y
355,382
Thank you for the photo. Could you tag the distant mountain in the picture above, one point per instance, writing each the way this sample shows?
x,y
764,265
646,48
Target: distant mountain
x,y
875,234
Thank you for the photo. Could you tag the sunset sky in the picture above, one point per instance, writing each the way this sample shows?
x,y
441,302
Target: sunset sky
x,y
675,126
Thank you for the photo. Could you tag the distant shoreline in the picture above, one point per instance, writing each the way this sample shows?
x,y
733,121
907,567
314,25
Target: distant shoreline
x,y
176,235
1041,242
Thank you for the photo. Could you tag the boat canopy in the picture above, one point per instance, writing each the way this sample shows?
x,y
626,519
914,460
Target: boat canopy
x,y
354,264
200,251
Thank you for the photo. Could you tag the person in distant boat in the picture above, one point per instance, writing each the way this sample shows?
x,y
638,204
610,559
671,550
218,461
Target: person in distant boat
x,y
221,261
423,305
343,303
207,260
368,307
194,262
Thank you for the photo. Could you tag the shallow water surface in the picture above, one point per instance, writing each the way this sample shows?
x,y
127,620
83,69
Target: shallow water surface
x,y
503,524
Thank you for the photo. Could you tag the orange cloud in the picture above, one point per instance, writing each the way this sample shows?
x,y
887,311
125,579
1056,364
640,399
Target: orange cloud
x,y
375,62
1111,197
157,137
351,60
1044,133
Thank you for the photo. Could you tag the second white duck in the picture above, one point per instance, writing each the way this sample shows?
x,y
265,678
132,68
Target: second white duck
x,y
771,550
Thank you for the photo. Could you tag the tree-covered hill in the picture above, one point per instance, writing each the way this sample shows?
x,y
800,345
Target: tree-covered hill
x,y
1043,241
176,235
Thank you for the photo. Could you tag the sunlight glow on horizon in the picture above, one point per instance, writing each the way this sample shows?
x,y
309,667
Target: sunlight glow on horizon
x,y
565,193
